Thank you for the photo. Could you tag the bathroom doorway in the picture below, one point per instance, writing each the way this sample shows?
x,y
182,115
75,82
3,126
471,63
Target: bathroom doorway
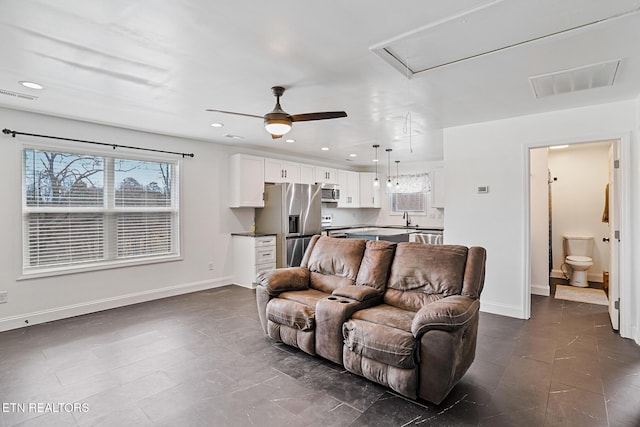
x,y
574,192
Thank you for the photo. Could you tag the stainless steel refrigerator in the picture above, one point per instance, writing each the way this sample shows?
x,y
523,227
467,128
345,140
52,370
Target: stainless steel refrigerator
x,y
292,212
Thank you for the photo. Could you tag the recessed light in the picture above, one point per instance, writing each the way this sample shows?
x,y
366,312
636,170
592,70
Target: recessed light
x,y
375,160
353,155
217,125
325,148
32,85
290,141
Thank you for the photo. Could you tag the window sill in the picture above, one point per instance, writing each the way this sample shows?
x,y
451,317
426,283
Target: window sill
x,y
60,271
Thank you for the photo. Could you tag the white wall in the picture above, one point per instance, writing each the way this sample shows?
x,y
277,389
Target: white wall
x,y
539,193
206,224
578,201
495,154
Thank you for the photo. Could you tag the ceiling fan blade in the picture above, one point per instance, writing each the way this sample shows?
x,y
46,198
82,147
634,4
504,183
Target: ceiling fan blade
x,y
275,136
318,116
237,114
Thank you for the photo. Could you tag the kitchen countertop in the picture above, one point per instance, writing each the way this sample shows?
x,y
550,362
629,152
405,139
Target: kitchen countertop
x,y
399,227
379,231
253,234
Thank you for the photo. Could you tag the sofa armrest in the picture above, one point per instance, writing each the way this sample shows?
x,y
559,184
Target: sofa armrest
x,y
358,293
447,314
284,279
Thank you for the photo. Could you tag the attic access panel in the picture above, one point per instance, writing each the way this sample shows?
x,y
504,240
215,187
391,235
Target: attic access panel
x,y
492,27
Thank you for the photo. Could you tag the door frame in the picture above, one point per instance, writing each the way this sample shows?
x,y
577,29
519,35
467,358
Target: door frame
x,y
624,273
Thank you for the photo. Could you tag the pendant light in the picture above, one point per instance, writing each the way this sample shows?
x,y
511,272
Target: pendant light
x,y
376,181
397,176
388,150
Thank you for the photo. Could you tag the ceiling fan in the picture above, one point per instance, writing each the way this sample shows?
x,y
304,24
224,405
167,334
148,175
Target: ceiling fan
x,y
278,122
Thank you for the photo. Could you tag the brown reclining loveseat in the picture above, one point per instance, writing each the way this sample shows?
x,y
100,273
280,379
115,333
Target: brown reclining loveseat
x,y
405,315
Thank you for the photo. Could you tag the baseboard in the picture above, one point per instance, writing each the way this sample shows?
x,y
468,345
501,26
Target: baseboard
x,y
502,309
42,316
591,277
542,290
556,274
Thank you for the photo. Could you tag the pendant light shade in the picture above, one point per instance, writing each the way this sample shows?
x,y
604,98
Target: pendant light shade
x,y
376,181
397,175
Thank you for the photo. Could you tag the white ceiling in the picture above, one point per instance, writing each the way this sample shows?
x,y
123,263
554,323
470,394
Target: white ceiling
x,y
157,65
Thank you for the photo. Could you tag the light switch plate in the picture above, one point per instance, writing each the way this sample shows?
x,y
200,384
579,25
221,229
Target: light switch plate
x,y
4,296
483,189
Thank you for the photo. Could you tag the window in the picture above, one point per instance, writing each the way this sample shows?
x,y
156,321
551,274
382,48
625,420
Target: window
x,y
409,202
410,193
84,210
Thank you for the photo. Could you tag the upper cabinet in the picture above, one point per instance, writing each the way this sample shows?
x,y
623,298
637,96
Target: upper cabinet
x,y
349,183
326,175
307,174
369,195
437,188
247,181
276,170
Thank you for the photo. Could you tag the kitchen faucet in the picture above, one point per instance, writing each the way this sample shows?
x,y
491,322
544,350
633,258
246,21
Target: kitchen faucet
x,y
405,215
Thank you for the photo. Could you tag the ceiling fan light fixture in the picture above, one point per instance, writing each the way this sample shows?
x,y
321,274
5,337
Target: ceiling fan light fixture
x,y
277,126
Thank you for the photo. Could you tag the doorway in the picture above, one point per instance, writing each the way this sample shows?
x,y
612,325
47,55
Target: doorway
x,y
574,191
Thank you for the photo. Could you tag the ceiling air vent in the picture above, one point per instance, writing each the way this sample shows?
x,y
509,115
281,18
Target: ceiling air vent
x,y
575,79
18,95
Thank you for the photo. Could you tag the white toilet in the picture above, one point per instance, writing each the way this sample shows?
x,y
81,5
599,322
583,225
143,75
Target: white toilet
x,y
578,251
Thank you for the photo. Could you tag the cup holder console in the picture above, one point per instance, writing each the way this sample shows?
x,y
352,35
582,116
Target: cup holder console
x,y
341,301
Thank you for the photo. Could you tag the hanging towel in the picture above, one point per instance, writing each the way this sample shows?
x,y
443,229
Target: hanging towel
x,y
605,213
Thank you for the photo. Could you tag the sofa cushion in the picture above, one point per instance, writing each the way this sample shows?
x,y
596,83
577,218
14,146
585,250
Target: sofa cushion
x,y
335,257
387,315
382,343
307,297
412,300
295,309
418,270
291,314
374,269
327,282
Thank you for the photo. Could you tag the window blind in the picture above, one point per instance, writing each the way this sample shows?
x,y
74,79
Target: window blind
x,y
81,209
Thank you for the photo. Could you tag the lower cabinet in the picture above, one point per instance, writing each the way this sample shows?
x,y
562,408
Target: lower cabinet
x,y
252,255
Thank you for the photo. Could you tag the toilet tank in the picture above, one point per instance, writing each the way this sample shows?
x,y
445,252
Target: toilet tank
x,y
578,245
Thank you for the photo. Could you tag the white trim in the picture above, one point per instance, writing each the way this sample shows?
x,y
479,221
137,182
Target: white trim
x,y
42,316
526,238
542,290
501,309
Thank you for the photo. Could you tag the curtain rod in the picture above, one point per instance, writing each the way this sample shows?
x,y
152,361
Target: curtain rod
x,y
13,133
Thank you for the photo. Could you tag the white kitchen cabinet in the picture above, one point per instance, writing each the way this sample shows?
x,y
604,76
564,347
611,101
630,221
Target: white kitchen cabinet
x,y
276,170
326,175
252,255
369,195
247,181
349,183
307,174
437,188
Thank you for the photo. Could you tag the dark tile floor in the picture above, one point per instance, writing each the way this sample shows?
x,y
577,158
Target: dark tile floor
x,y
201,360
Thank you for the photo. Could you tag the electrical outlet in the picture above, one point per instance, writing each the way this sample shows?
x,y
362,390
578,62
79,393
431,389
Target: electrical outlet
x,y
211,266
4,296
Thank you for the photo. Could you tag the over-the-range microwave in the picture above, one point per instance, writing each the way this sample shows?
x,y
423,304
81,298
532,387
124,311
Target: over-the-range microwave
x,y
330,192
